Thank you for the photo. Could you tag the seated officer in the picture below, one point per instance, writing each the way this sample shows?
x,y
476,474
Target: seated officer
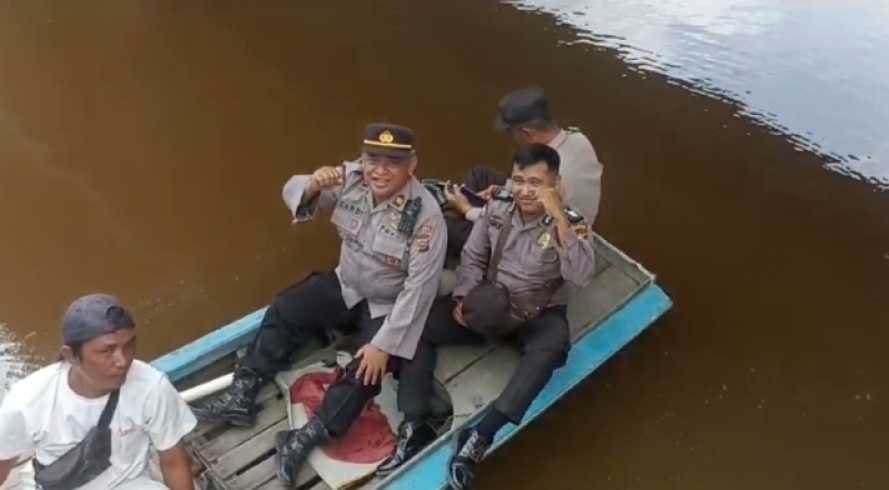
x,y
393,246
525,256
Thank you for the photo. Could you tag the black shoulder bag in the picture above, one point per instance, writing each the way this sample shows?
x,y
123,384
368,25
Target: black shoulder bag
x,y
83,462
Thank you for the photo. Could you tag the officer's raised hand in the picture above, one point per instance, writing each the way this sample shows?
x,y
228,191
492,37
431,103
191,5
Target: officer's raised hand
x,y
325,178
373,364
554,208
490,192
456,199
552,203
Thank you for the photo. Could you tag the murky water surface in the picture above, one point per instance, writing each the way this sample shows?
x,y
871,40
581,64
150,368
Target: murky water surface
x,y
813,71
143,146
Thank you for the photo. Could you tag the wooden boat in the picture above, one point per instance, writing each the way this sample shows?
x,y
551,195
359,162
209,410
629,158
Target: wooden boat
x,y
620,303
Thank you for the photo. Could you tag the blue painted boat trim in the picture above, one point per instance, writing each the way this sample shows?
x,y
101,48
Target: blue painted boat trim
x,y
586,355
215,345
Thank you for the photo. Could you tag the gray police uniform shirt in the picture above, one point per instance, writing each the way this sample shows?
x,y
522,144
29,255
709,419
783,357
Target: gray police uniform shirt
x,y
397,274
581,172
532,257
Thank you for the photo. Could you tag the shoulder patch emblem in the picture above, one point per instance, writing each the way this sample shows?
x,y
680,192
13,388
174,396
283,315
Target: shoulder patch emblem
x,y
399,201
582,230
423,238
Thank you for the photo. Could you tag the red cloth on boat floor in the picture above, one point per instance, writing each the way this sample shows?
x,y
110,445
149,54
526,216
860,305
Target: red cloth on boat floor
x,y
369,440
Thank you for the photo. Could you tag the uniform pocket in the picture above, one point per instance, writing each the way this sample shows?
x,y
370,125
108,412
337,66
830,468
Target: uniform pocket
x,y
347,223
392,249
542,258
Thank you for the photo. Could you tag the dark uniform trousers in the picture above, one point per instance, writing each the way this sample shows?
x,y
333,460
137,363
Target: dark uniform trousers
x,y
544,343
304,312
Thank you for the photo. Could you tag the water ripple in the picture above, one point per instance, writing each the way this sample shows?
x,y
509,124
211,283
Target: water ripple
x,y
813,72
16,360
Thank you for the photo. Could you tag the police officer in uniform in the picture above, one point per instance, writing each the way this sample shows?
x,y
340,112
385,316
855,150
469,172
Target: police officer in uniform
x,y
525,257
393,248
525,115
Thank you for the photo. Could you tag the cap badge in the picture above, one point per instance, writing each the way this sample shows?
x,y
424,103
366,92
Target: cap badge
x,y
386,137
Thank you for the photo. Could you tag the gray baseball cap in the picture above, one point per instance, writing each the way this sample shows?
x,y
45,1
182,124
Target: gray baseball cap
x,y
92,316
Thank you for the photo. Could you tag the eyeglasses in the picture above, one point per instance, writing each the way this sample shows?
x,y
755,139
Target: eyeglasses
x,y
388,164
532,183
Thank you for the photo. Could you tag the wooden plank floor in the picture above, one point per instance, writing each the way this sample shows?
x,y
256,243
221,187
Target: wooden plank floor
x,y
236,458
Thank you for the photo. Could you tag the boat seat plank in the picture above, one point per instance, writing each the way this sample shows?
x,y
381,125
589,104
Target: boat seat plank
x,y
261,443
271,413
453,359
262,474
320,486
605,295
315,484
202,430
482,382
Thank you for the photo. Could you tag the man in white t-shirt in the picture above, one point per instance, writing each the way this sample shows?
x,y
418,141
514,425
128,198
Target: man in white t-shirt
x,y
49,412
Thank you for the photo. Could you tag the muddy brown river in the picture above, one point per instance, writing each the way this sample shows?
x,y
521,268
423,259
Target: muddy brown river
x,y
143,146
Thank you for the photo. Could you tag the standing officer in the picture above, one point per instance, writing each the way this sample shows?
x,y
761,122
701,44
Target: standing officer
x,y
393,247
525,115
524,258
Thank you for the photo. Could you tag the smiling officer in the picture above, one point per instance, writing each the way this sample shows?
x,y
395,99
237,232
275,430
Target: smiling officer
x,y
526,256
393,247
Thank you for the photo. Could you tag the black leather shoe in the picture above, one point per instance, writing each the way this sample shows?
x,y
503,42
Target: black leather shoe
x,y
294,447
471,449
412,438
237,405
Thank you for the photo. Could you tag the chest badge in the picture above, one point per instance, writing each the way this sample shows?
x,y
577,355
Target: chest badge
x,y
544,240
399,201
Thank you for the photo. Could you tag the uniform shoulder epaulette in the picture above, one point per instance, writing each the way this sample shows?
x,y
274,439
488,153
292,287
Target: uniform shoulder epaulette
x,y
573,216
503,195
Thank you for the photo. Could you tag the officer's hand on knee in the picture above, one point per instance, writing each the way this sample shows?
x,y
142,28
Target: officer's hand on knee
x,y
374,362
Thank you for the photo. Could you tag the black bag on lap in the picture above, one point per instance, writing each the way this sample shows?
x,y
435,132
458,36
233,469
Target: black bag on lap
x,y
83,462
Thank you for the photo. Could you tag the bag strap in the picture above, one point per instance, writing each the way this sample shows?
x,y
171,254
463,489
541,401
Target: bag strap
x,y
491,274
108,411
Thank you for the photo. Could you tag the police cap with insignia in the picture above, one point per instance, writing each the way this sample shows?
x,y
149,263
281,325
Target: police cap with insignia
x,y
521,107
389,140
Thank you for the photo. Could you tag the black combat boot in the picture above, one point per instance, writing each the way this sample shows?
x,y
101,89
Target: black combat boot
x,y
237,406
413,436
471,448
294,447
